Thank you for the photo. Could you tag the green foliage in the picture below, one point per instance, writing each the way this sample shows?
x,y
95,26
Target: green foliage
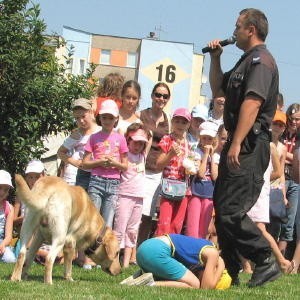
x,y
35,92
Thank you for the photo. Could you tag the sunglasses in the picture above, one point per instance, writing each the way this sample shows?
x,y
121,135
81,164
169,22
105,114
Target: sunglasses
x,y
159,95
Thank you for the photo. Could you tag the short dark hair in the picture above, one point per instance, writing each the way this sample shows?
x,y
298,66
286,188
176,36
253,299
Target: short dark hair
x,y
257,18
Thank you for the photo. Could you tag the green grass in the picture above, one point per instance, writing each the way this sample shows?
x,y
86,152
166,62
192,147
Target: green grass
x,y
95,284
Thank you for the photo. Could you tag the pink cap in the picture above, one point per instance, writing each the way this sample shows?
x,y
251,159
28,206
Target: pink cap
x,y
139,135
182,112
109,106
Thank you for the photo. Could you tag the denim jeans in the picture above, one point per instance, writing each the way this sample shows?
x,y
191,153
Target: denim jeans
x,y
104,194
297,220
287,230
83,179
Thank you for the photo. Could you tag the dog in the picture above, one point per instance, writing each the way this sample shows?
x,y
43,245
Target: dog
x,y
64,217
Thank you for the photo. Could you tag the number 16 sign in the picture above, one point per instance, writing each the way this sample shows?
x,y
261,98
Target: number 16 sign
x,y
168,62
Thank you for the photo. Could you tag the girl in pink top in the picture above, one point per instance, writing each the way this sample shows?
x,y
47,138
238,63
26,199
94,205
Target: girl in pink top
x,y
131,191
106,156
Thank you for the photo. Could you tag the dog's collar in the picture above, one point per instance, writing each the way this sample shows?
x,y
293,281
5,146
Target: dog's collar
x,y
98,241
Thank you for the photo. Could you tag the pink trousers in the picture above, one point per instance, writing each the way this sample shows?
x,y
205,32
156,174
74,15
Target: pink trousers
x,y
171,216
199,213
127,220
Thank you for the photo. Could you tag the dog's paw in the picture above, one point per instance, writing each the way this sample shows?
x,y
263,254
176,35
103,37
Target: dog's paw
x,y
69,279
15,278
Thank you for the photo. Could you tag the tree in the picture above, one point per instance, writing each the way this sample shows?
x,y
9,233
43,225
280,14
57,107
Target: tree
x,y
35,92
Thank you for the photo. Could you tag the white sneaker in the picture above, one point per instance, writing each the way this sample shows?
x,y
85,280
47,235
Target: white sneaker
x,y
129,280
145,279
87,267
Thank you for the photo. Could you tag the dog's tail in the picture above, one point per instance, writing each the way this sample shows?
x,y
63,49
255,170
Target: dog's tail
x,y
27,196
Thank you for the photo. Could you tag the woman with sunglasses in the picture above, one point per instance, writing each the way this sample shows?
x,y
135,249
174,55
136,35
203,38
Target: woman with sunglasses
x,y
157,121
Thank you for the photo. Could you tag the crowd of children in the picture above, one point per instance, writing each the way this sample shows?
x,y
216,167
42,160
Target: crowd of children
x,y
109,161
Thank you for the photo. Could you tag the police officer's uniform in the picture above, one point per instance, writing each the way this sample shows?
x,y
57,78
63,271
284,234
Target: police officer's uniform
x,y
236,191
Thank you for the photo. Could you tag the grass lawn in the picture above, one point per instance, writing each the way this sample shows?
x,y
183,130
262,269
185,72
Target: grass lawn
x,y
96,284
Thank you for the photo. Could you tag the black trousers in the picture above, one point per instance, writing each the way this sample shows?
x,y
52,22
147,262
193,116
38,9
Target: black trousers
x,y
236,191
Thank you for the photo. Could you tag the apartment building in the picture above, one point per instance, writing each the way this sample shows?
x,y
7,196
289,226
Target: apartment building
x,y
146,60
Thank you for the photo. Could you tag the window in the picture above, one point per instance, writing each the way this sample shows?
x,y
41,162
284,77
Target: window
x,y
131,60
105,57
81,66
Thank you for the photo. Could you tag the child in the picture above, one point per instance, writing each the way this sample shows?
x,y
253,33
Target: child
x,y
131,191
180,261
199,115
6,219
174,148
131,94
34,170
106,156
72,150
222,138
200,207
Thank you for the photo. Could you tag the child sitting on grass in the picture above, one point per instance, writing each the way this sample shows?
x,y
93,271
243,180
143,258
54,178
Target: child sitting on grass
x,y
6,219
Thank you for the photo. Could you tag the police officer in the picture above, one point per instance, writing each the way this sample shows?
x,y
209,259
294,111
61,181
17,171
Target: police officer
x,y
250,89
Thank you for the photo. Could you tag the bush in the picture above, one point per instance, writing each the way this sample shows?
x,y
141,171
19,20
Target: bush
x,y
35,92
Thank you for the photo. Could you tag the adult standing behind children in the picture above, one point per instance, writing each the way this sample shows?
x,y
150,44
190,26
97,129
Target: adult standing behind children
x,y
157,121
72,150
131,94
109,88
106,156
250,89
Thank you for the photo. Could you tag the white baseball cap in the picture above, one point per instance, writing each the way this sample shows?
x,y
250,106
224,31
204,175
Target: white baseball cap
x,y
109,106
208,128
35,166
5,178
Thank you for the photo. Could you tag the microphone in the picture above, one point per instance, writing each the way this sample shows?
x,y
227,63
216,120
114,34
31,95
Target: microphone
x,y
223,43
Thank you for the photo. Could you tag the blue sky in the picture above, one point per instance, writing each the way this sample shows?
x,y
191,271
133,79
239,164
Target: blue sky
x,y
192,21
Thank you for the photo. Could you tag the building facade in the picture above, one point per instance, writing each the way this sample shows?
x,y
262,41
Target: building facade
x,y
146,60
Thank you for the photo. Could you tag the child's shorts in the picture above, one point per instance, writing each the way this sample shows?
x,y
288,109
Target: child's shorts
x,y
154,256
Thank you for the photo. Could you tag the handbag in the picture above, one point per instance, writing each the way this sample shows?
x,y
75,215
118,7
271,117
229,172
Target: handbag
x,y
173,189
202,188
277,207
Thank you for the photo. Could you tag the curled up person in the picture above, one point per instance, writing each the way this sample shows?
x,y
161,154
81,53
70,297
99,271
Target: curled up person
x,y
176,260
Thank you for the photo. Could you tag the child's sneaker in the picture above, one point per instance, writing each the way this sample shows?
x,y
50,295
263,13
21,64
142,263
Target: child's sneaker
x,y
87,267
145,279
129,280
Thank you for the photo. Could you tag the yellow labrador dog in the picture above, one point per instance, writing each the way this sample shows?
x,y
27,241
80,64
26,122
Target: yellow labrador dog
x,y
64,217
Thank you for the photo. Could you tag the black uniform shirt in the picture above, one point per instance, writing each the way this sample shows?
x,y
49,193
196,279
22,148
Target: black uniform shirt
x,y
254,74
